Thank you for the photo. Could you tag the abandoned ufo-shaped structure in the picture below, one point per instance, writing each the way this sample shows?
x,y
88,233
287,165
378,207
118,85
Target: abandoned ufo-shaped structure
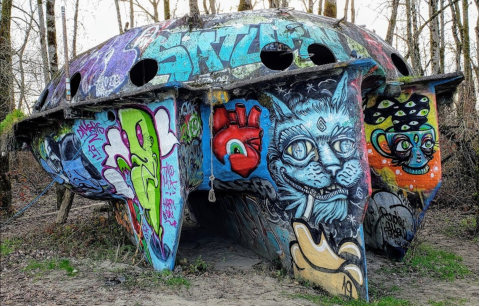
x,y
284,129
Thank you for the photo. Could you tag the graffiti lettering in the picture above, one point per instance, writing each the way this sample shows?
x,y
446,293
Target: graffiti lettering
x,y
191,128
167,173
191,163
394,224
94,152
198,53
168,212
90,129
347,287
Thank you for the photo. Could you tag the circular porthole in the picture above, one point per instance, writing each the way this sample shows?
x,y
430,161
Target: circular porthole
x,y
400,65
143,71
75,83
276,56
111,116
321,55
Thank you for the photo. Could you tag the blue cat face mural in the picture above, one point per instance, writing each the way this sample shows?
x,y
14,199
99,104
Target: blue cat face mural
x,y
314,159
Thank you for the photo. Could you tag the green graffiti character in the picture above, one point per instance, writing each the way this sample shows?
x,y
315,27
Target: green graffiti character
x,y
140,137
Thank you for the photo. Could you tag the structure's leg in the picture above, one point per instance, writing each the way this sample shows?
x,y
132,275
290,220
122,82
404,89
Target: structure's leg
x,y
404,156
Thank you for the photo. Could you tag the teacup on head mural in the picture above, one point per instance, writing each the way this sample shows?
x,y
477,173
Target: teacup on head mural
x,y
412,150
410,141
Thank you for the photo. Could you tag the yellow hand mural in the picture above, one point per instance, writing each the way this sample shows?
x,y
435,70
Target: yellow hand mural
x,y
321,265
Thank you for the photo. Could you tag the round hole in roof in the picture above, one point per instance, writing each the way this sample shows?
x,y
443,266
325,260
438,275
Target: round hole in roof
x,y
75,83
320,54
400,65
143,71
276,56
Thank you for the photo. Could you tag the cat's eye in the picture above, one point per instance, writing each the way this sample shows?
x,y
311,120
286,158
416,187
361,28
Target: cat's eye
x,y
345,148
403,146
385,104
427,143
423,112
235,146
425,99
400,113
299,149
380,119
410,104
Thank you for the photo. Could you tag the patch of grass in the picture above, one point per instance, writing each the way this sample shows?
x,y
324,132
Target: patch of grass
x,y
95,238
428,261
465,227
52,264
335,300
7,246
150,279
199,266
448,302
11,118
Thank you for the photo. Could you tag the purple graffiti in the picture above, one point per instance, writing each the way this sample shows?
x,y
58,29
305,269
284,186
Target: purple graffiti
x,y
90,129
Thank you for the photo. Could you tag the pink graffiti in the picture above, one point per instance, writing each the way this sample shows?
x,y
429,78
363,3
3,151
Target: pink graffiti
x,y
167,173
94,152
168,212
90,129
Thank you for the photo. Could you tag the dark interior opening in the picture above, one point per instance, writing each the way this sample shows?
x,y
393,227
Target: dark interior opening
x,y
276,56
111,116
143,71
400,65
75,83
321,55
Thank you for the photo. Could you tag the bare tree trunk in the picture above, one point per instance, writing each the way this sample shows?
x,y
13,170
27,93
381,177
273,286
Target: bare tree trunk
x,y
392,22
205,7
412,32
284,3
320,7
470,106
75,30
346,7
52,38
330,8
43,42
456,24
166,9
64,210
273,3
310,6
244,5
476,67
155,10
6,102
353,12
194,10
21,64
213,7
118,16
434,37
442,45
132,16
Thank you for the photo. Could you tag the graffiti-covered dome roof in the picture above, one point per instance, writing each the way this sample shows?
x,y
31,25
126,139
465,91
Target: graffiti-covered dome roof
x,y
219,50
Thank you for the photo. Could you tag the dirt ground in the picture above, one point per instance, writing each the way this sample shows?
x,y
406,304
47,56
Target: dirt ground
x,y
233,275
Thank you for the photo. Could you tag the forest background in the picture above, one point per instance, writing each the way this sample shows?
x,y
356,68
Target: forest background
x,y
434,36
